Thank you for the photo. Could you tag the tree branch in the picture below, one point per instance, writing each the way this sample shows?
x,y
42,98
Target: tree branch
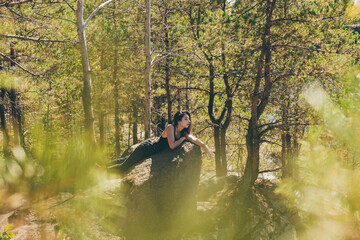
x,y
11,4
164,55
56,18
268,124
190,88
271,170
270,142
95,11
27,18
237,84
203,129
299,47
289,19
72,8
17,64
303,20
139,4
158,36
35,39
241,118
271,127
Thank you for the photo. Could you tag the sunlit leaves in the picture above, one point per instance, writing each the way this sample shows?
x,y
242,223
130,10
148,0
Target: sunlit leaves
x,y
325,193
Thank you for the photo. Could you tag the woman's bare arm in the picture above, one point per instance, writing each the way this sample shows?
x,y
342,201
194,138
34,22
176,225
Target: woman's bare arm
x,y
169,132
198,142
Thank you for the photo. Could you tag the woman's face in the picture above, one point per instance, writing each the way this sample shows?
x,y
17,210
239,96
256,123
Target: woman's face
x,y
185,121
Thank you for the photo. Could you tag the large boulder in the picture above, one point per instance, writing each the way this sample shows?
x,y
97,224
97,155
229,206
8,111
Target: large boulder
x,y
160,194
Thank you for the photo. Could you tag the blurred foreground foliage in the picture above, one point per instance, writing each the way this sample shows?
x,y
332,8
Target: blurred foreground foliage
x,y
325,191
68,165
58,186
54,164
7,234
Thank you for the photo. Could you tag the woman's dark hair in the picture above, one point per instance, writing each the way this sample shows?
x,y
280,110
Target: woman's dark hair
x,y
177,118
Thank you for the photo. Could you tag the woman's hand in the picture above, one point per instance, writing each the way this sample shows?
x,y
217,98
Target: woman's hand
x,y
208,151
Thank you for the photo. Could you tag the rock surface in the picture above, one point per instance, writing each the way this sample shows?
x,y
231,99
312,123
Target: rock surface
x,y
161,194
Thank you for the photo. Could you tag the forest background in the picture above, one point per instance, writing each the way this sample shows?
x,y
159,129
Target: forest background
x,y
83,81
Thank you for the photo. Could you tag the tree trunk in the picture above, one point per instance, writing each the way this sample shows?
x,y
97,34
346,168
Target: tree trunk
x,y
298,133
86,94
286,155
217,151
228,104
135,127
101,121
253,150
100,106
221,123
220,150
179,100
223,151
13,102
46,119
187,95
129,131
147,114
286,142
20,120
215,122
295,153
3,124
14,115
101,127
116,100
257,106
167,68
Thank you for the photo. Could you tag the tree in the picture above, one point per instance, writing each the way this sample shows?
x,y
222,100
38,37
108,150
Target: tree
x,y
289,33
147,69
218,55
87,103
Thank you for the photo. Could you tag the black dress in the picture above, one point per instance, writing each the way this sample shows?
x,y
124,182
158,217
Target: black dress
x,y
143,151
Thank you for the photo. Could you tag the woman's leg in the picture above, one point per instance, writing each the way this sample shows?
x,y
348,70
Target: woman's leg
x,y
144,150
117,161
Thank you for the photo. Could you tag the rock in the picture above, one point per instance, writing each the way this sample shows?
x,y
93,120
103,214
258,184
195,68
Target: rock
x,y
157,200
161,194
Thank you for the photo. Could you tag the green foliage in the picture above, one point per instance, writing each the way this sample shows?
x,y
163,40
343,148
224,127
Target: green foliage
x,y
9,80
64,164
7,234
310,41
325,191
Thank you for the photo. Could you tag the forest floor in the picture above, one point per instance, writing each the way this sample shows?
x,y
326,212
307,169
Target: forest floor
x,y
97,213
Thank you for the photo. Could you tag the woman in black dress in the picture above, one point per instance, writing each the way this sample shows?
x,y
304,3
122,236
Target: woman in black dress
x,y
173,135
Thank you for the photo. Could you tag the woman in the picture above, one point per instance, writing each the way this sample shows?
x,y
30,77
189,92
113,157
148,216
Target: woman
x,y
172,137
